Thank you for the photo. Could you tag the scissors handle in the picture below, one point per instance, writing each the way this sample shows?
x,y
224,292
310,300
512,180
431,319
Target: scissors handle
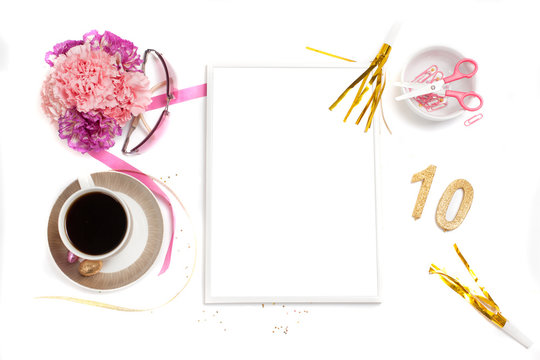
x,y
458,74
460,96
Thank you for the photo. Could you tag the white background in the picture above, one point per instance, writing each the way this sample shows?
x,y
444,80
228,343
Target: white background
x,y
420,317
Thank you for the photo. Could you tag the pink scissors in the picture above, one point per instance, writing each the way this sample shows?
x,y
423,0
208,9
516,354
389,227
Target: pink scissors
x,y
438,87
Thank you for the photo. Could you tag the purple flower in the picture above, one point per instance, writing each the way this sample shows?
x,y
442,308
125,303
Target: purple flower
x,y
61,48
88,131
115,46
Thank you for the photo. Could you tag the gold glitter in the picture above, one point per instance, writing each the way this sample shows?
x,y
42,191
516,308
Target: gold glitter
x,y
90,267
426,176
464,207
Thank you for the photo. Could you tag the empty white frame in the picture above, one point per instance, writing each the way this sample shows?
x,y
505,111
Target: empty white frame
x,y
291,190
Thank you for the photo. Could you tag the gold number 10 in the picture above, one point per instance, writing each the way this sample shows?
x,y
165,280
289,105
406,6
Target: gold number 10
x,y
426,176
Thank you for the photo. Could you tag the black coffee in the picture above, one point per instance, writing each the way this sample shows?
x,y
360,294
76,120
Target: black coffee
x,y
96,223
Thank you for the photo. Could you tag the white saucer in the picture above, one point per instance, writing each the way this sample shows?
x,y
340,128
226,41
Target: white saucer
x,y
137,256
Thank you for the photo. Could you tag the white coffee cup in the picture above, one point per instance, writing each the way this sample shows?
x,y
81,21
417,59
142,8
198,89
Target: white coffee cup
x,y
87,187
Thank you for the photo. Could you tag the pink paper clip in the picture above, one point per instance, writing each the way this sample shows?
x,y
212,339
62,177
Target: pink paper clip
x,y
439,106
426,74
437,76
432,101
473,119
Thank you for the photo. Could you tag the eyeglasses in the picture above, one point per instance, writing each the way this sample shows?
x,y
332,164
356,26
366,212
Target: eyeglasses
x,y
135,119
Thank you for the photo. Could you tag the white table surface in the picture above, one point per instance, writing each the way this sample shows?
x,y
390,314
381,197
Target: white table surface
x,y
419,318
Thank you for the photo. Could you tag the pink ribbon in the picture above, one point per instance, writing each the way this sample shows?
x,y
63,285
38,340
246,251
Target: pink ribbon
x,y
120,165
117,164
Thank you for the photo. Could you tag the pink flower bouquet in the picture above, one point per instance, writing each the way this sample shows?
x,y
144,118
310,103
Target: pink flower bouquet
x,y
93,89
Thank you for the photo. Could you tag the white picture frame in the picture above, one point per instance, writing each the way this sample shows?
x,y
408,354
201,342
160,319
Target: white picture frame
x,y
254,251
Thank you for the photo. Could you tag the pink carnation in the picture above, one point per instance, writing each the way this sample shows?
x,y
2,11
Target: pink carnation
x,y
52,104
88,79
93,88
82,78
88,131
132,94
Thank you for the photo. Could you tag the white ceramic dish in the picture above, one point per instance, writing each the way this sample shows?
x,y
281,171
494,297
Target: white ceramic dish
x,y
445,59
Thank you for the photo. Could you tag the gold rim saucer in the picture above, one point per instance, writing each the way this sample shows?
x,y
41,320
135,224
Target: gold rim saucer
x,y
114,280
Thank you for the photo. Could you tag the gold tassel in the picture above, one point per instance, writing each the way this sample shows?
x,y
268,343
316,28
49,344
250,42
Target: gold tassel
x,y
483,303
375,74
361,94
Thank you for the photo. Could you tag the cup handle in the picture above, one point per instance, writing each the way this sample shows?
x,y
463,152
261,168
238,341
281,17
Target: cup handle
x,y
85,181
